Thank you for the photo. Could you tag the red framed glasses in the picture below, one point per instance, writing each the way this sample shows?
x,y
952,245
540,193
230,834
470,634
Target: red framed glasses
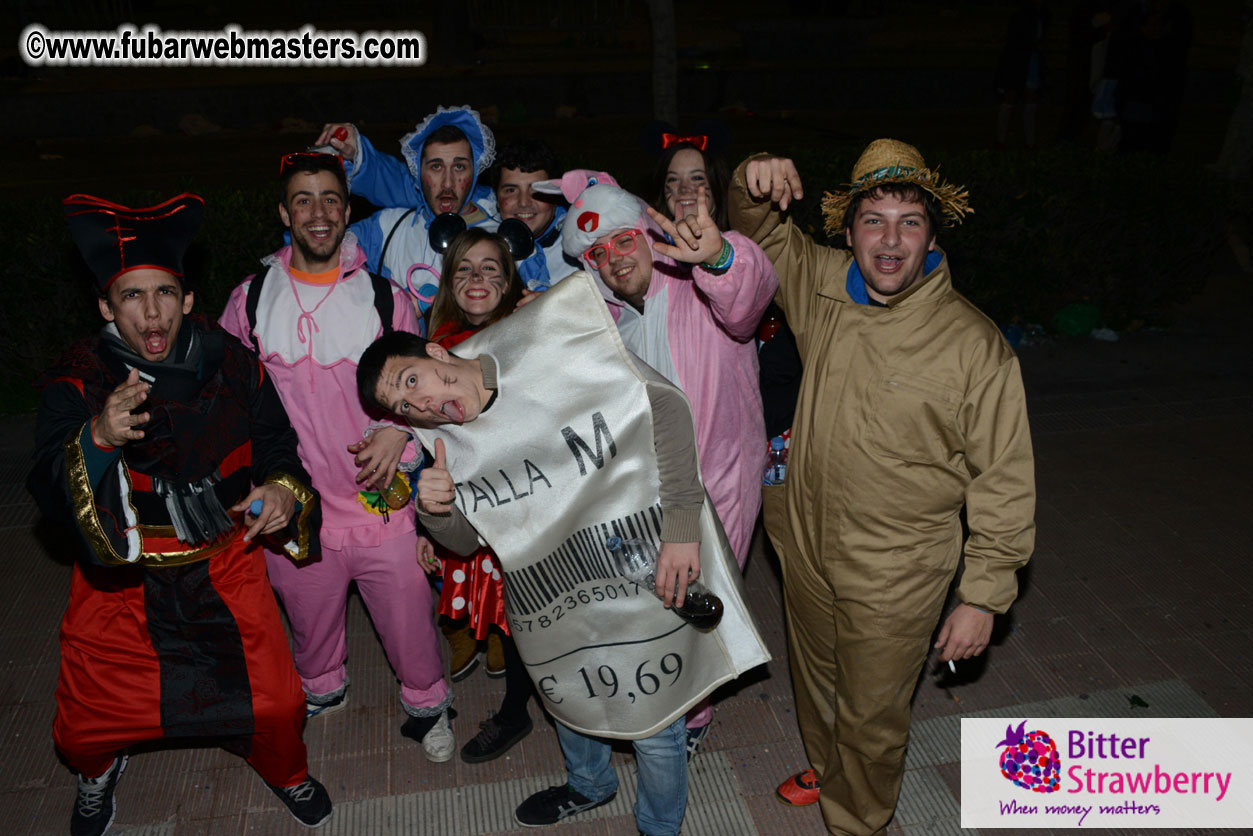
x,y
622,244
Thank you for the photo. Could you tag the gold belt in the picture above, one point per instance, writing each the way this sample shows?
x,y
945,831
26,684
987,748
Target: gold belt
x,y
163,548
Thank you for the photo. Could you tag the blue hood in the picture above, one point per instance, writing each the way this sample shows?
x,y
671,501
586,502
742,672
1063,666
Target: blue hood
x,y
482,148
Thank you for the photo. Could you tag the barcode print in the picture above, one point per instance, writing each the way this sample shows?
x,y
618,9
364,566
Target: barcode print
x,y
580,559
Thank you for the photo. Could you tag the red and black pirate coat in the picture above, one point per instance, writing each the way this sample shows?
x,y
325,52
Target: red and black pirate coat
x,y
172,629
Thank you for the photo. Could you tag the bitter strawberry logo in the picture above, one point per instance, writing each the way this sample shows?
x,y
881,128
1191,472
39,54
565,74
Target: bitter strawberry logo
x,y
1030,759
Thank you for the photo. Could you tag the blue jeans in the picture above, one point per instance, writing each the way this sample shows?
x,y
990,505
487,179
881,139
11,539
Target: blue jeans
x,y
661,764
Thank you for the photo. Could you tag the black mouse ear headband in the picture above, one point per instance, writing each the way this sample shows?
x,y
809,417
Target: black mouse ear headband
x,y
516,234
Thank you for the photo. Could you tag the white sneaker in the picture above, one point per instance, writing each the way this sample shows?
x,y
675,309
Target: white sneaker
x,y
439,744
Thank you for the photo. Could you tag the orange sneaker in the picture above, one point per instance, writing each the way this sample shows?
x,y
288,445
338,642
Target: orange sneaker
x,y
799,790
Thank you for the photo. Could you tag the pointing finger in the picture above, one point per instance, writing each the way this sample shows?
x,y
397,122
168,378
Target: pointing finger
x,y
667,225
702,211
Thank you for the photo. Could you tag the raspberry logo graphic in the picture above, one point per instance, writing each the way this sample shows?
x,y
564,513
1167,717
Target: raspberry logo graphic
x,y
1030,759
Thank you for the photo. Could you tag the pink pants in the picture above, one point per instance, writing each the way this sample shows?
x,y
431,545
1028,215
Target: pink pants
x,y
398,598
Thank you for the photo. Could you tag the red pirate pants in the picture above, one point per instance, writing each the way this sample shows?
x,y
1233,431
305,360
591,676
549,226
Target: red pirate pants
x,y
179,651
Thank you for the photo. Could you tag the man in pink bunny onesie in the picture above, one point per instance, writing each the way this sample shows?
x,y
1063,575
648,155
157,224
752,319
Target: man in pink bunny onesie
x,y
316,310
689,307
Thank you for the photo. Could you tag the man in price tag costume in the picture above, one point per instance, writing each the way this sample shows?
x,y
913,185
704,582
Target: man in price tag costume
x,y
614,454
153,440
911,408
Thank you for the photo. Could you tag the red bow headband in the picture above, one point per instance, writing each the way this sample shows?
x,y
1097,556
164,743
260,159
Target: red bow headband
x,y
698,141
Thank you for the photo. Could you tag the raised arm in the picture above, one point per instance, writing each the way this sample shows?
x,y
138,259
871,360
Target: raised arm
x,y
380,178
734,275
761,189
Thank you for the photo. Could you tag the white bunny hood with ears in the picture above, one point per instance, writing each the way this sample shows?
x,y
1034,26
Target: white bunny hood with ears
x,y
598,206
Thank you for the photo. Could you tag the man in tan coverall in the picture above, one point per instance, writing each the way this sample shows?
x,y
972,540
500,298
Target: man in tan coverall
x,y
911,408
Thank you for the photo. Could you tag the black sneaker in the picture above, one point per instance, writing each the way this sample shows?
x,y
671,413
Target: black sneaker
x,y
308,801
695,737
95,807
494,739
554,804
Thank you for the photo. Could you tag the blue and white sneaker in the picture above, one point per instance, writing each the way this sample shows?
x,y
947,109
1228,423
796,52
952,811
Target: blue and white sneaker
x,y
321,709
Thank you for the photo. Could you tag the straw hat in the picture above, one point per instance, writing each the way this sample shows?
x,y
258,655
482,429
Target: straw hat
x,y
892,161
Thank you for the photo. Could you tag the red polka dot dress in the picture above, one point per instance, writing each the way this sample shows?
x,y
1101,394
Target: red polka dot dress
x,y
472,586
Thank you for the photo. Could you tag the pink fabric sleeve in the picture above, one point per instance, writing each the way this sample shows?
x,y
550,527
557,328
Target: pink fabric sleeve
x,y
738,298
234,319
403,317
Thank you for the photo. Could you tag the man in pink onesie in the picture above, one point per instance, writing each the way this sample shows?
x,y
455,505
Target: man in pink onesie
x,y
309,316
687,299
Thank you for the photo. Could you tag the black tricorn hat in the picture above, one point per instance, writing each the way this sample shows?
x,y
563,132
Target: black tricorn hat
x,y
116,239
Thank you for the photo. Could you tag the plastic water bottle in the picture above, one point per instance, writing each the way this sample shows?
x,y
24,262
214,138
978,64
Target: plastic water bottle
x,y
776,464
637,562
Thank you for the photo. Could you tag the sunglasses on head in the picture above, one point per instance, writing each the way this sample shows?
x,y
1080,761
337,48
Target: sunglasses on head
x,y
294,158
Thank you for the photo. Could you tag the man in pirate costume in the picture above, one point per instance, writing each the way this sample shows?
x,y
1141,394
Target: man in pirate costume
x,y
552,458
911,408
164,444
310,314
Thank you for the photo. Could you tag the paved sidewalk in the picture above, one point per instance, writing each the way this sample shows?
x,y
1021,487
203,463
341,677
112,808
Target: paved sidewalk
x,y
1140,587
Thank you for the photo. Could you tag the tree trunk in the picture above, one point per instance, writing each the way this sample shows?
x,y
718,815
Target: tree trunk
x,y
665,69
1236,158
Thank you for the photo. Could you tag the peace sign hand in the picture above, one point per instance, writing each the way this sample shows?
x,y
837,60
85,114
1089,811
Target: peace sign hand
x,y
696,237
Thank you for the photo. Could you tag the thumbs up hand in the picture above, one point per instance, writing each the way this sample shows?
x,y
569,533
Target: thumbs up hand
x,y
435,484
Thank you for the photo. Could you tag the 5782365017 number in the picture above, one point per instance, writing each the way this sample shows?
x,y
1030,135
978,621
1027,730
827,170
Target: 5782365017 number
x,y
580,597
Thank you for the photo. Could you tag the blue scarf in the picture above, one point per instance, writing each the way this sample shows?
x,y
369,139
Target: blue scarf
x,y
534,269
855,284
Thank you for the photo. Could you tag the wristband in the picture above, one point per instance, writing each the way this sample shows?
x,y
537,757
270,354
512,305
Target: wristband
x,y
978,609
723,262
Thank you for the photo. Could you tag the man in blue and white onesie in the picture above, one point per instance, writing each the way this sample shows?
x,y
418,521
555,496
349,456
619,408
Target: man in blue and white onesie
x,y
444,158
